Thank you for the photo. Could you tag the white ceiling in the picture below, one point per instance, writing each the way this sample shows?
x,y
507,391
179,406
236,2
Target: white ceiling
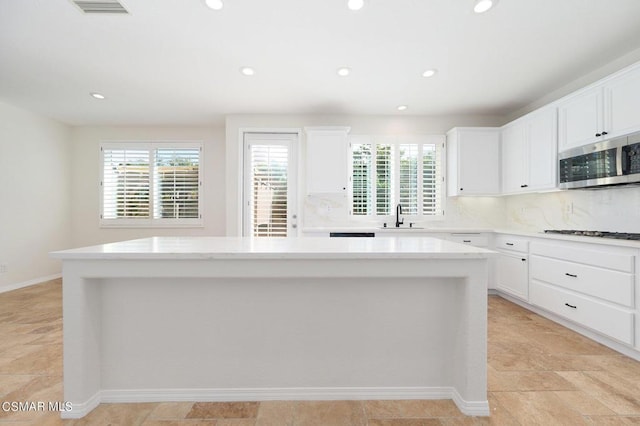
x,y
176,62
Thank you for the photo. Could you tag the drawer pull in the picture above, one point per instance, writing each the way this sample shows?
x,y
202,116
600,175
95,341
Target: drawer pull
x,y
523,259
509,244
466,241
571,275
571,306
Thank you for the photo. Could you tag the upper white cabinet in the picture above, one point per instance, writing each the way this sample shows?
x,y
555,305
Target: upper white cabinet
x,y
326,160
529,153
622,103
580,119
473,161
514,149
605,110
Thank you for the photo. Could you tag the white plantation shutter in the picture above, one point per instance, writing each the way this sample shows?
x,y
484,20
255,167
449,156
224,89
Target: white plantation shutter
x,y
408,177
385,174
431,179
125,184
269,166
177,183
151,184
362,179
384,183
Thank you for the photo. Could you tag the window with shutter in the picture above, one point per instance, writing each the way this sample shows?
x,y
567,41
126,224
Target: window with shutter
x,y
151,184
387,173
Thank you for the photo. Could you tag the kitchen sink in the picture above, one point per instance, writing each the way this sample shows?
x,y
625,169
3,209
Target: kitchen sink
x,y
402,228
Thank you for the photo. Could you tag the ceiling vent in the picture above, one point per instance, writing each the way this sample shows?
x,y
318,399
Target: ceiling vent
x,y
104,6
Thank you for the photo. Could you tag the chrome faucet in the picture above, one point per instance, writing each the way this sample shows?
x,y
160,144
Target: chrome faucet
x,y
398,213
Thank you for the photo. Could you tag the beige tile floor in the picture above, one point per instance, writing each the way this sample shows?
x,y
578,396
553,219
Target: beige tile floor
x,y
539,374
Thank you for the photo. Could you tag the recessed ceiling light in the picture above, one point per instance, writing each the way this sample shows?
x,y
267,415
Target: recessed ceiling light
x,y
97,95
247,71
484,5
214,4
429,73
344,71
402,107
355,4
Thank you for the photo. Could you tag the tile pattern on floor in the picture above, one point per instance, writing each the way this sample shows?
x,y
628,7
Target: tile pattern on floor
x,y
539,373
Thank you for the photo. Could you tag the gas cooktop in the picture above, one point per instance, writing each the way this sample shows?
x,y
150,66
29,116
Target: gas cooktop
x,y
601,234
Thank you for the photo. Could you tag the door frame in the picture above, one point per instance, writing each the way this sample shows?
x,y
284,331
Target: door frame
x,y
294,155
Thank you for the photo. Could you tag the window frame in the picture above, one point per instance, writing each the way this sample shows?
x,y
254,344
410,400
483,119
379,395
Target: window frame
x,y
396,142
152,222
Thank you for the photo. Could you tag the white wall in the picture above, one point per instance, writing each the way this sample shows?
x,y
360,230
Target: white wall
x,y
85,212
34,195
462,212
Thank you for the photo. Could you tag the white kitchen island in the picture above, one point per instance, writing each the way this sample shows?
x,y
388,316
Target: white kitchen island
x,y
240,319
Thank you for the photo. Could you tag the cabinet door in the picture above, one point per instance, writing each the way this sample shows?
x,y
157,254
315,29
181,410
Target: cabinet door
x,y
479,162
511,275
622,97
580,119
513,158
542,163
326,164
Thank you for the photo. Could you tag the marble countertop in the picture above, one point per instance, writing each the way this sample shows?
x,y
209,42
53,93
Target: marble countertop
x,y
434,230
276,248
576,238
391,229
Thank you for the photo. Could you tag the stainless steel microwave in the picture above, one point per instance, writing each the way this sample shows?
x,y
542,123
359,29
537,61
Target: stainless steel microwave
x,y
612,162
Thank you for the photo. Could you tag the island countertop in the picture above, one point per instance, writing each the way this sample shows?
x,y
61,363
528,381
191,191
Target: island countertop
x,y
166,248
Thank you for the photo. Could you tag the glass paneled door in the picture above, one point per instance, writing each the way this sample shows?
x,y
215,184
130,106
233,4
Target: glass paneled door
x,y
270,185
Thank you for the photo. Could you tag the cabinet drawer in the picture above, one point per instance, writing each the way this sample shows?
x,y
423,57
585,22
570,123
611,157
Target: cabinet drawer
x,y
476,240
605,258
507,242
606,284
609,320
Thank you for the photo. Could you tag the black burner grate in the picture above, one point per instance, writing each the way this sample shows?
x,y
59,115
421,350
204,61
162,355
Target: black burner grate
x,y
601,234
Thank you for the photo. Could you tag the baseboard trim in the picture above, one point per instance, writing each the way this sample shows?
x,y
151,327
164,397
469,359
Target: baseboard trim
x,y
470,408
39,280
79,410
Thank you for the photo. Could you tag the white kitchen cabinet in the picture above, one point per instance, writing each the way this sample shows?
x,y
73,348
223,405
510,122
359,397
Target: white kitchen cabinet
x,y
511,274
327,157
514,153
603,318
593,286
605,110
512,266
529,153
473,161
622,103
580,119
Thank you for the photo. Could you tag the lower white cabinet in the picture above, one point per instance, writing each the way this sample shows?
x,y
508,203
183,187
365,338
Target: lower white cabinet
x,y
511,266
511,274
610,320
588,284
